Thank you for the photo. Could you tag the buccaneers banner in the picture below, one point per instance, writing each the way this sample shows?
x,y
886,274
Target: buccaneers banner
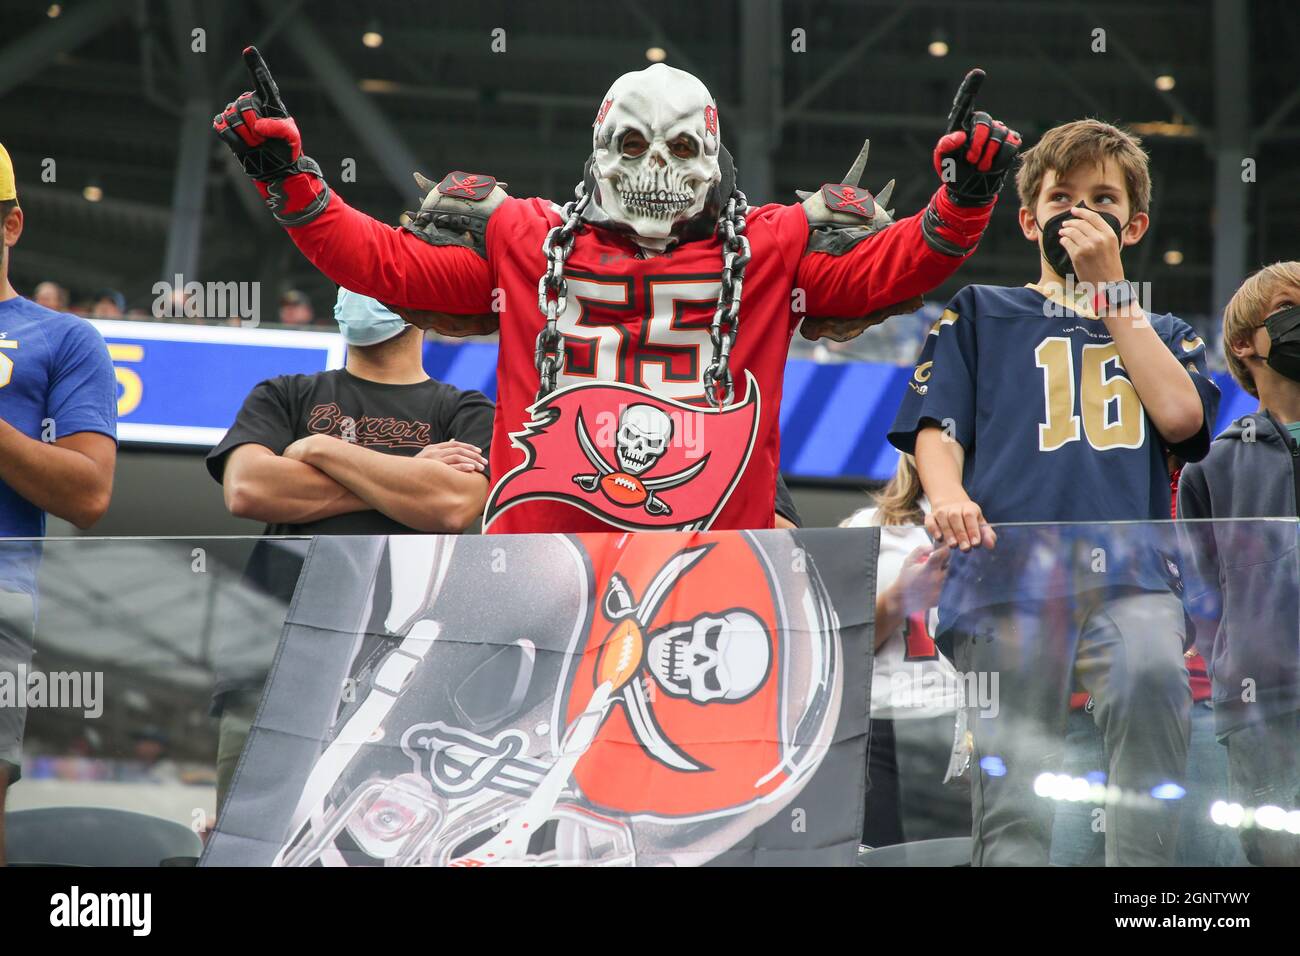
x,y
630,458
607,699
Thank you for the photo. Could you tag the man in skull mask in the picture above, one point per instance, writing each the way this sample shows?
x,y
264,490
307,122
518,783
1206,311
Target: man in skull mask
x,y
631,300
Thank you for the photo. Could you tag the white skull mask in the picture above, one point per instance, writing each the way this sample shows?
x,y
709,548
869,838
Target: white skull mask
x,y
712,658
643,435
661,178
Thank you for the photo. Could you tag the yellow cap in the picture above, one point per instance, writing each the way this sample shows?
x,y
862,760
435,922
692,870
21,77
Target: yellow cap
x,y
8,188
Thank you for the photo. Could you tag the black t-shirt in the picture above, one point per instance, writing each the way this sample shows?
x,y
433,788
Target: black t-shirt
x,y
785,503
392,419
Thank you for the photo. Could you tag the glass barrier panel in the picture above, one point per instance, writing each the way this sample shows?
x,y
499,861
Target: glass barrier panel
x,y
1078,695
1102,694
138,661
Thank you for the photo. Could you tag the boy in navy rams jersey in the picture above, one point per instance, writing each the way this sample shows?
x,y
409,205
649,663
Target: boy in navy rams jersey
x,y
1057,402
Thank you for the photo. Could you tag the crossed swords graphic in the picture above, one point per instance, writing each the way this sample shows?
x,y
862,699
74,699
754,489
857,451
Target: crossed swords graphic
x,y
653,505
850,197
469,185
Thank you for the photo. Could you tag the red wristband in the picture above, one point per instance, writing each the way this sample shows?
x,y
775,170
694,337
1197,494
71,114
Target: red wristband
x,y
291,194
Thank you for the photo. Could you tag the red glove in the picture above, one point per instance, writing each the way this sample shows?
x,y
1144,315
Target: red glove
x,y
257,127
976,153
264,138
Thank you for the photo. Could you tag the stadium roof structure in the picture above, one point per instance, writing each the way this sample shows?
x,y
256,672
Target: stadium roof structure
x,y
119,94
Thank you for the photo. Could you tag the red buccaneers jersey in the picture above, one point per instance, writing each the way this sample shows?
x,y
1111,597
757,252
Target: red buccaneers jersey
x,y
649,452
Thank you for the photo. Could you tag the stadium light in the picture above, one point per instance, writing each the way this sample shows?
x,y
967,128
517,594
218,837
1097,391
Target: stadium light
x,y
53,10
373,39
938,47
1173,257
92,193
656,54
1175,128
1165,82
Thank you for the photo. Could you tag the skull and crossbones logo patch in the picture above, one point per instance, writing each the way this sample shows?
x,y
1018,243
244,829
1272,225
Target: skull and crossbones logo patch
x,y
843,197
472,186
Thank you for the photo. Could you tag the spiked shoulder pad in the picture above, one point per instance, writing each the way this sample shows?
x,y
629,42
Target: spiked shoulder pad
x,y
840,215
455,211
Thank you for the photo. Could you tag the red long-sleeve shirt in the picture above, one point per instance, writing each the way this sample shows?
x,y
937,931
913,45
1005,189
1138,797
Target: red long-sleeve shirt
x,y
641,321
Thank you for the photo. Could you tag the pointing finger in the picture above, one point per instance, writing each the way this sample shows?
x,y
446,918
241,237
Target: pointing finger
x,y
263,83
963,104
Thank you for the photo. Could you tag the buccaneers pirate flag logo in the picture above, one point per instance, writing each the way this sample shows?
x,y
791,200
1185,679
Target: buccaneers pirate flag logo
x,y
629,458
691,668
606,699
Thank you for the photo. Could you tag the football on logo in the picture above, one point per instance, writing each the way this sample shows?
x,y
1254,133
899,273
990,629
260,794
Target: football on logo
x,y
625,490
621,655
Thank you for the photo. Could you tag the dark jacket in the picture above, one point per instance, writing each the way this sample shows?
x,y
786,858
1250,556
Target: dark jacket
x,y
1243,576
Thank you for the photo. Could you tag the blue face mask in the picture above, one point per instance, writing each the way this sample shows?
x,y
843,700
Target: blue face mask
x,y
363,321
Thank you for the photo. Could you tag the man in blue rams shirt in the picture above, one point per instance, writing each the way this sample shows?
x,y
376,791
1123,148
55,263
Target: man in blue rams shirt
x,y
58,447
1060,401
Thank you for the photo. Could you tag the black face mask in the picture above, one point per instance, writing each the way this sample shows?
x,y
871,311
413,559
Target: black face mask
x,y
1054,252
1284,338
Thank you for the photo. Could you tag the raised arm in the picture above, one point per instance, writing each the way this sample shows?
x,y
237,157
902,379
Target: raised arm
x,y
888,270
1178,397
860,267
446,287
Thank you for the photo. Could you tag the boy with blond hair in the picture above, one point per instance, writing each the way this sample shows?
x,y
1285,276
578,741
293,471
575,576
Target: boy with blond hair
x,y
1057,402
1244,577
